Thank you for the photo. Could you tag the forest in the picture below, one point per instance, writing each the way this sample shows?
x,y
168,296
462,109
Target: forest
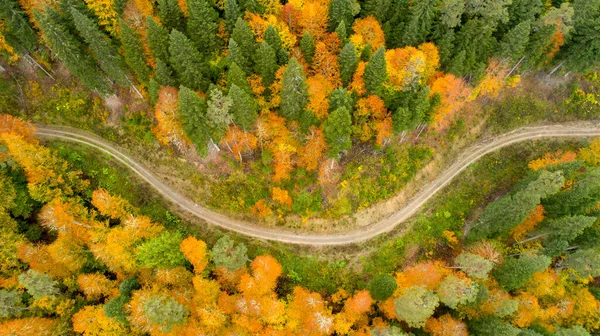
x,y
286,112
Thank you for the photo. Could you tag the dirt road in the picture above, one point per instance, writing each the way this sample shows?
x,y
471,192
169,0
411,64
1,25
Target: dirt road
x,y
469,156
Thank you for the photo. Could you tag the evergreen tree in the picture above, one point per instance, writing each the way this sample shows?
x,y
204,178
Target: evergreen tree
x,y
375,72
564,230
170,14
514,42
153,88
232,14
382,287
475,39
380,9
583,264
203,25
192,109
340,11
524,10
401,119
342,32
242,34
252,6
340,97
243,108
273,39
186,61
457,64
416,305
158,40
348,62
422,15
265,63
236,56
337,129
294,91
538,42
451,12
492,326
70,51
445,45
514,273
163,74
218,112
19,33
134,52
583,50
237,76
307,45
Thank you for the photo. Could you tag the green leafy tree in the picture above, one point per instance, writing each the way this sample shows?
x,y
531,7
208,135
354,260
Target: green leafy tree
x,y
38,284
232,14
514,273
415,306
134,52
161,252
236,56
583,50
70,51
454,291
226,253
506,308
375,72
573,331
474,265
158,40
186,61
243,108
340,11
274,40
218,112
513,44
19,33
294,91
129,285
382,287
170,14
348,62
237,76
422,15
492,326
114,308
583,264
337,129
165,311
265,63
307,46
153,88
11,304
203,25
192,109
102,48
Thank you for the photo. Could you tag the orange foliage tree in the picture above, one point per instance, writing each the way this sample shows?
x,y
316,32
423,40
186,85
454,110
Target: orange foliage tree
x,y
312,152
96,285
29,326
372,118
113,206
239,141
325,63
282,196
168,129
314,18
195,252
550,159
453,92
367,31
445,325
319,88
536,217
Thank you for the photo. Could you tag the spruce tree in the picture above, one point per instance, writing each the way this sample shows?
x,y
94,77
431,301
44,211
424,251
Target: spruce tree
x,y
134,52
102,48
243,35
232,14
340,11
340,97
192,109
158,40
538,42
186,61
307,46
337,129
422,15
153,88
237,76
380,9
273,39
294,91
170,14
69,50
203,25
401,119
236,56
513,44
476,40
265,63
252,6
164,74
342,32
348,62
583,49
375,72
19,33
514,273
243,108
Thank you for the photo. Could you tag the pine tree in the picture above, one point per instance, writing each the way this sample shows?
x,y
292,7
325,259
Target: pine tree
x,y
102,48
340,98
340,11
164,74
375,72
170,15
348,62
243,108
203,25
273,39
134,52
252,6
422,15
237,76
236,55
307,45
342,32
158,40
514,273
242,34
583,50
232,14
337,129
538,42
265,63
70,51
513,44
192,109
186,61
294,91
19,33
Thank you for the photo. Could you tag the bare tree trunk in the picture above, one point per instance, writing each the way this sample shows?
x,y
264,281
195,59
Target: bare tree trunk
x,y
422,128
136,90
516,65
31,59
556,68
214,144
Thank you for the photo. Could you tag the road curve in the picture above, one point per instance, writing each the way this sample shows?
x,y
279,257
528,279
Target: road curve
x,y
469,156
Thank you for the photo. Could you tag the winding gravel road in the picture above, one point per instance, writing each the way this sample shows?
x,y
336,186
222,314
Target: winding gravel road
x,y
469,156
